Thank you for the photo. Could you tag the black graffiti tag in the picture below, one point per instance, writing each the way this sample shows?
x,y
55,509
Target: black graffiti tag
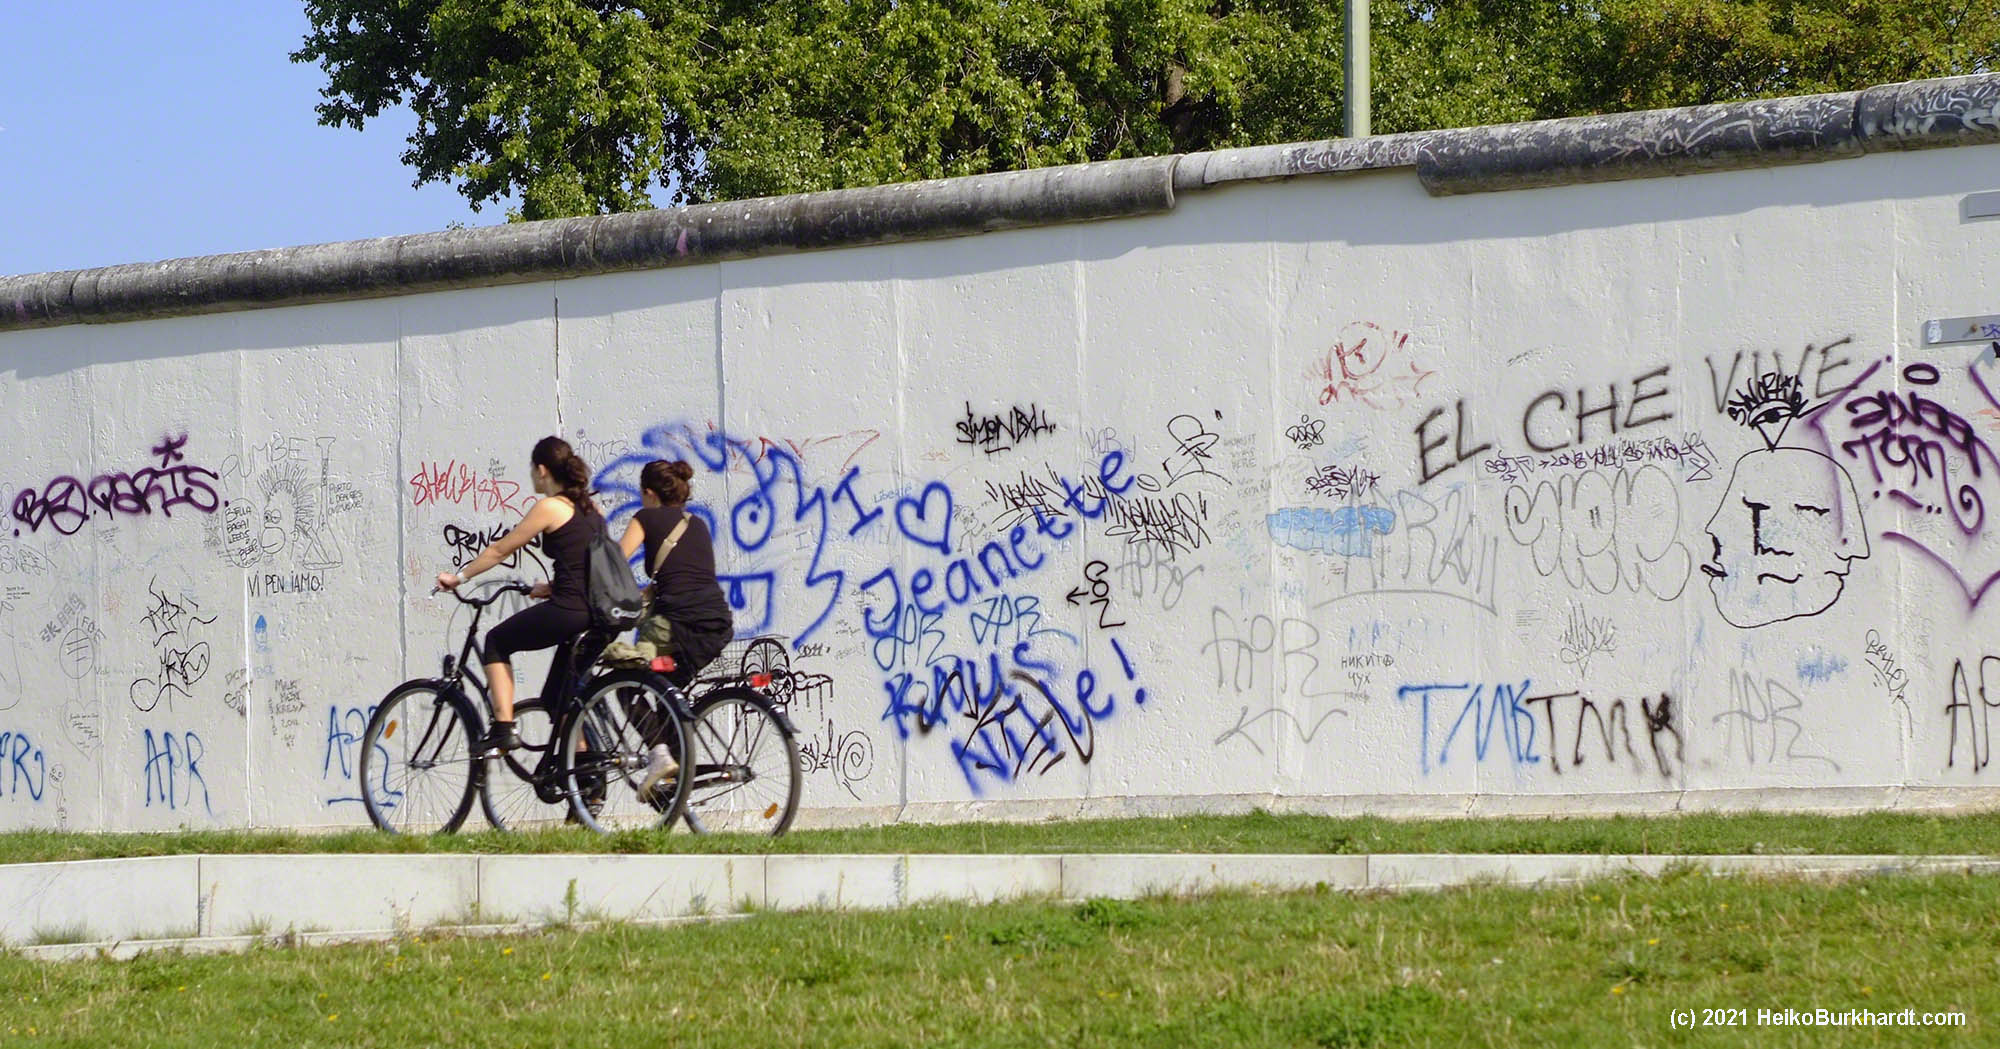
x,y
183,659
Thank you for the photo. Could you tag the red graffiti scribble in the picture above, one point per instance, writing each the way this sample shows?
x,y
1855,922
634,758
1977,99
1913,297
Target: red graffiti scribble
x,y
1370,364
460,485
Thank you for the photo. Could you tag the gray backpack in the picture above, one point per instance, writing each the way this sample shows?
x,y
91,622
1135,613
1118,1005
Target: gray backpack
x,y
608,588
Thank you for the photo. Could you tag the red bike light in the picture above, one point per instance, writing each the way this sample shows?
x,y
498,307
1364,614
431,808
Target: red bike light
x,y
663,664
760,681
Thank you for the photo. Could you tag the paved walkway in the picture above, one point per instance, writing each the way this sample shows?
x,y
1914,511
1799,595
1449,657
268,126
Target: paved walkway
x,y
211,903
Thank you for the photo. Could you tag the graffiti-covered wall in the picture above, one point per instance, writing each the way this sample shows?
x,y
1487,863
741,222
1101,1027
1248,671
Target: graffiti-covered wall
x,y
1321,492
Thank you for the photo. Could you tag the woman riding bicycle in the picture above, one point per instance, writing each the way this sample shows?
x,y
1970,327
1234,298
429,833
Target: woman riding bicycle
x,y
687,615
687,618
563,518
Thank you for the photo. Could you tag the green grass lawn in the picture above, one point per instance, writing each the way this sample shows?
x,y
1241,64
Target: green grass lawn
x,y
1601,964
1900,833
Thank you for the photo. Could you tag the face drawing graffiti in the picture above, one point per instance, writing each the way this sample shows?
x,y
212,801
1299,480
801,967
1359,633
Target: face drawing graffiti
x,y
1784,538
1789,526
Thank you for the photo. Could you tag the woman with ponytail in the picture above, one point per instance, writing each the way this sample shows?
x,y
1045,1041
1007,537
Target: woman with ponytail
x,y
563,518
687,616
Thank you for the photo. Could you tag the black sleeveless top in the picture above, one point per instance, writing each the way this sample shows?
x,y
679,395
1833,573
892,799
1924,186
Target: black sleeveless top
x,y
568,552
685,589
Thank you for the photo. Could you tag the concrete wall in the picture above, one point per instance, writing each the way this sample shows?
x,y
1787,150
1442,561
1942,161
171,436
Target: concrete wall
x,y
1318,492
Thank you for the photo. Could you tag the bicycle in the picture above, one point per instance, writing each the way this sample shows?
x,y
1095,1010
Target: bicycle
x,y
588,762
746,774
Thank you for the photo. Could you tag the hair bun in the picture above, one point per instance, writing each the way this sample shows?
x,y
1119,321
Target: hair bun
x,y
681,469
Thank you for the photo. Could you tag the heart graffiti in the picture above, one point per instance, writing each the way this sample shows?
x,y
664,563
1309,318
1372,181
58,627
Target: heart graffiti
x,y
918,517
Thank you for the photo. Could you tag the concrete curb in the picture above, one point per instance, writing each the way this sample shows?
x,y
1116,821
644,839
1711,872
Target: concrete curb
x,y
229,903
1787,800
120,950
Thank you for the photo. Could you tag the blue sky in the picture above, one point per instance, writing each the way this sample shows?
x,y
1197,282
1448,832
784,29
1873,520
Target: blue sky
x,y
133,131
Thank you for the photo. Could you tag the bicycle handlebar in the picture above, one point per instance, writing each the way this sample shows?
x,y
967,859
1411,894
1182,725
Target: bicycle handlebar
x,y
482,602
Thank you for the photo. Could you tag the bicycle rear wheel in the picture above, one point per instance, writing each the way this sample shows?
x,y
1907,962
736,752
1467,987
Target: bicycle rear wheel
x,y
522,791
746,773
606,748
416,760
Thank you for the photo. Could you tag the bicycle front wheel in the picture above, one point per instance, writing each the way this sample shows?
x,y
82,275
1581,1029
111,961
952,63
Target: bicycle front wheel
x,y
523,790
416,760
746,771
608,747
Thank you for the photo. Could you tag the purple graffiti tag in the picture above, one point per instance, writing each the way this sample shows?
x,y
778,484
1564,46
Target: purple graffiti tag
x,y
1924,456
1908,438
65,503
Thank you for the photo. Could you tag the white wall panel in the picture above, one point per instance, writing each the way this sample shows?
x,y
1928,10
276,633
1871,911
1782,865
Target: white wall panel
x,y
1319,465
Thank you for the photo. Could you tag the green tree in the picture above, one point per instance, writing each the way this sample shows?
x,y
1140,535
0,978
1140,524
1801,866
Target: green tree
x,y
587,106
1656,53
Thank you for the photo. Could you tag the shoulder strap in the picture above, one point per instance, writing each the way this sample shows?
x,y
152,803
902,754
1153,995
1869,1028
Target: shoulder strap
x,y
660,557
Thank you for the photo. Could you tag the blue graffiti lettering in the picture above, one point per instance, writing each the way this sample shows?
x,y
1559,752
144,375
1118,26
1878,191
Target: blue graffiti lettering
x,y
18,751
1349,531
952,680
962,584
915,632
1010,706
779,497
344,729
173,769
992,567
991,619
1013,730
343,733
1487,709
924,523
756,595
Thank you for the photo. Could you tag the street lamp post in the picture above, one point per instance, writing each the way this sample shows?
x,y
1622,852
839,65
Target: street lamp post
x,y
1355,64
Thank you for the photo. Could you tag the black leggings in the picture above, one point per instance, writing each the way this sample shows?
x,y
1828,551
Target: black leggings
x,y
539,626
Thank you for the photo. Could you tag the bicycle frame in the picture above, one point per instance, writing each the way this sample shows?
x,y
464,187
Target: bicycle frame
x,y
451,681
459,669
588,746
576,680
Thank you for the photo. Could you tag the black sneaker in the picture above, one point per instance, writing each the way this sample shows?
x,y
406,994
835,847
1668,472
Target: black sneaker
x,y
500,738
593,798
